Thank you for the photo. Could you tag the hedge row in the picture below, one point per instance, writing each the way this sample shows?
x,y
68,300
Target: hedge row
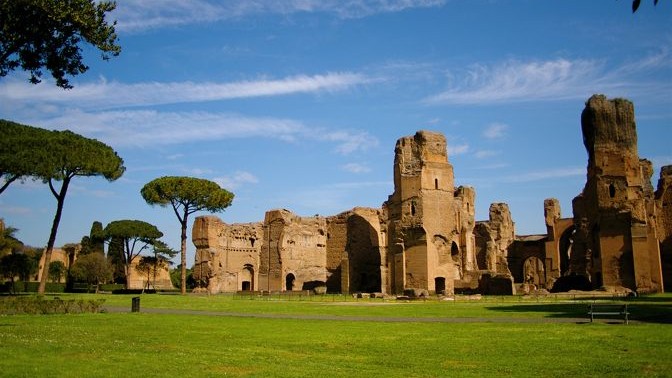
x,y
11,305
31,287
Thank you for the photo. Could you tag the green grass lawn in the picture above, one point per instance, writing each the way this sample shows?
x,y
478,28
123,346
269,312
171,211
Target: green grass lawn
x,y
657,308
151,344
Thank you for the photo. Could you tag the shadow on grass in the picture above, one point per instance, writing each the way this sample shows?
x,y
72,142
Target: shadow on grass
x,y
552,310
645,310
656,308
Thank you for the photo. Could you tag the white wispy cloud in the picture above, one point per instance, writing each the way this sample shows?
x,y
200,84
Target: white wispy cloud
x,y
544,175
457,149
175,156
356,168
142,128
495,131
332,198
198,172
348,141
139,15
521,177
107,95
16,210
236,180
519,81
557,79
482,154
493,166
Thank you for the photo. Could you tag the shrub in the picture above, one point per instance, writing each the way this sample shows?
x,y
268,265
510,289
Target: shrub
x,y
31,287
35,305
110,287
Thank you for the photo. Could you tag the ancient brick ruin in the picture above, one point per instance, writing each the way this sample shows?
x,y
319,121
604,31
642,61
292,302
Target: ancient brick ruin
x,y
69,253
425,240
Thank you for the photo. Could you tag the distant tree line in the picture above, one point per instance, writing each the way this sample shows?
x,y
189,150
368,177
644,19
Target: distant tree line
x,y
56,158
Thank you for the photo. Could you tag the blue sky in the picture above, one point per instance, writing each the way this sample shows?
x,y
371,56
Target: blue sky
x,y
298,104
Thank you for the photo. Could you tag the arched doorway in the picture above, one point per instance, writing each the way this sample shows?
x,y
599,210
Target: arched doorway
x,y
440,285
534,272
247,278
363,256
289,282
566,243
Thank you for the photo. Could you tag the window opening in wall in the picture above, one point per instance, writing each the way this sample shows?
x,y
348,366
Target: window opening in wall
x,y
436,183
455,252
412,208
252,242
612,190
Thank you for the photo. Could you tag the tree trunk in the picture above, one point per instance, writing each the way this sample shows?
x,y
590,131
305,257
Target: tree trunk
x,y
60,200
154,274
7,182
127,273
183,253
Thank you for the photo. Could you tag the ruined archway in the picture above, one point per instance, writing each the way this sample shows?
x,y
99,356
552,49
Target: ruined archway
x,y
534,272
666,242
247,278
565,249
363,255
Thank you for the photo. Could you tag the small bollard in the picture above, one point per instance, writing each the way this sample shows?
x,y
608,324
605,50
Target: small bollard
x,y
135,304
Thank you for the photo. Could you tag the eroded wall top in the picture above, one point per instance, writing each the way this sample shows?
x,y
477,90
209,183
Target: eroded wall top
x,y
608,125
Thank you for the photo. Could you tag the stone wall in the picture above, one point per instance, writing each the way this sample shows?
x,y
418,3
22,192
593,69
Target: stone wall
x,y
227,256
494,239
615,241
423,223
424,238
69,253
337,240
526,260
66,254
663,204
298,251
558,243
364,262
140,281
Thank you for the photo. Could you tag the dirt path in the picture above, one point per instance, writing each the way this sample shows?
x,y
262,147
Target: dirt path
x,y
349,318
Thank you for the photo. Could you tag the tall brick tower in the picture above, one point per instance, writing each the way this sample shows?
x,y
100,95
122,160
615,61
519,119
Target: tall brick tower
x,y
421,224
616,242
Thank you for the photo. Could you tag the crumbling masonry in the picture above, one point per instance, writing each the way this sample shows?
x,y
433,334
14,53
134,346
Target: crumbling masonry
x,y
424,239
